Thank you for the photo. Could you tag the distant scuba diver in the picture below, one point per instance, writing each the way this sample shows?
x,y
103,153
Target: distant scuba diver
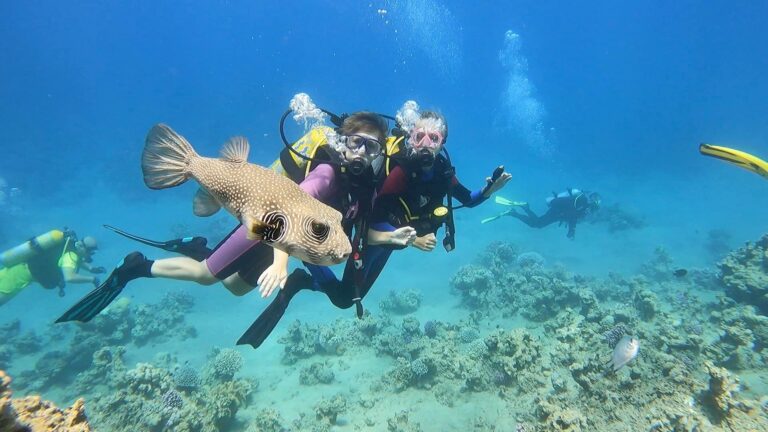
x,y
736,157
52,260
567,207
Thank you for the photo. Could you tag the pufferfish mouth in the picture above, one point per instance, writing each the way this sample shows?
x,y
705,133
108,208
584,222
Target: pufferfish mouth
x,y
338,258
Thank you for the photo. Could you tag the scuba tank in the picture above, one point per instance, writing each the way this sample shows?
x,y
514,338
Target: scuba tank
x,y
30,248
297,167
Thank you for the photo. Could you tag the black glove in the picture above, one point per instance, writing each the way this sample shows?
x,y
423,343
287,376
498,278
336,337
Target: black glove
x,y
96,282
98,270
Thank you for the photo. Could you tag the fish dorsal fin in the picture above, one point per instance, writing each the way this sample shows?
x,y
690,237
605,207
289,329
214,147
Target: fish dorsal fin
x,y
204,204
235,150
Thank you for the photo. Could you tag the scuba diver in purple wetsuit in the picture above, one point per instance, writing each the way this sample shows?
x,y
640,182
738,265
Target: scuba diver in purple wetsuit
x,y
340,175
408,210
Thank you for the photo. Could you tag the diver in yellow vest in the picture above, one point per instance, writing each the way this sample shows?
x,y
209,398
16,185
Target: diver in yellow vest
x,y
52,260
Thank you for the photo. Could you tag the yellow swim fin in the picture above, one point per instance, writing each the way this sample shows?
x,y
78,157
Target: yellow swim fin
x,y
736,157
507,202
493,218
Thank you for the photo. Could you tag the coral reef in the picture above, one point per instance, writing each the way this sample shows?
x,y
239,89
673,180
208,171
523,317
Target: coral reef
x,y
267,420
158,322
328,410
430,329
223,364
743,339
474,284
144,398
527,352
401,423
529,260
744,273
401,302
120,324
186,378
661,267
305,340
36,415
726,407
316,373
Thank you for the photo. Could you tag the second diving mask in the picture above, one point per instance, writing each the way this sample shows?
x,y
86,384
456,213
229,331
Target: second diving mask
x,y
423,144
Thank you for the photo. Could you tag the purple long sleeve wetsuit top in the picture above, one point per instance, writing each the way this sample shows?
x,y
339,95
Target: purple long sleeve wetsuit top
x,y
320,183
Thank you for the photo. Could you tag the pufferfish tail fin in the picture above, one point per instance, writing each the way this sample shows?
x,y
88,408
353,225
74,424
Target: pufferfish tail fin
x,y
166,158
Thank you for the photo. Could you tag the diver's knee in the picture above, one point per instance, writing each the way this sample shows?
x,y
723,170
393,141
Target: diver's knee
x,y
237,285
207,279
342,303
239,292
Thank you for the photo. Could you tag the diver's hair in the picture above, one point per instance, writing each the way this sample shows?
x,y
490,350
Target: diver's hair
x,y
437,116
365,121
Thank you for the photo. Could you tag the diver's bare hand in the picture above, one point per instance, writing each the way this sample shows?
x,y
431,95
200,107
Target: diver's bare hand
x,y
495,186
403,236
274,276
425,243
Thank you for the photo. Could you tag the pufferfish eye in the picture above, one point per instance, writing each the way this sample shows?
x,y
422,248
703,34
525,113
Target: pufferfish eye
x,y
319,230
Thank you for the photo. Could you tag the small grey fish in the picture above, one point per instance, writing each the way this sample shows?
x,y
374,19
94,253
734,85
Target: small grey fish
x,y
274,209
624,352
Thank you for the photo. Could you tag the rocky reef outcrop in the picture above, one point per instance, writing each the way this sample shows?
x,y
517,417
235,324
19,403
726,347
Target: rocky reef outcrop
x,y
33,414
744,273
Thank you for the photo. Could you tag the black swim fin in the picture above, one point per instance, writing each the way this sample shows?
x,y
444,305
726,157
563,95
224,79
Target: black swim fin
x,y
93,303
260,330
98,299
193,247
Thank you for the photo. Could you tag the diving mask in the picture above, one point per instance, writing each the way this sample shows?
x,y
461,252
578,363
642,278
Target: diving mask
x,y
421,138
371,147
361,150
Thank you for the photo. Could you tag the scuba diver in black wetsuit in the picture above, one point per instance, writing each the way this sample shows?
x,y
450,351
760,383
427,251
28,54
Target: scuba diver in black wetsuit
x,y
567,208
409,209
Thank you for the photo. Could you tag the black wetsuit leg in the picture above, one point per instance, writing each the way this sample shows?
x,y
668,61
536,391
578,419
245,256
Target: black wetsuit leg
x,y
258,332
344,296
532,220
341,293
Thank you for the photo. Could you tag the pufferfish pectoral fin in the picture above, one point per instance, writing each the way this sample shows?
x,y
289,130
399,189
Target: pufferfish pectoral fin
x,y
256,229
204,204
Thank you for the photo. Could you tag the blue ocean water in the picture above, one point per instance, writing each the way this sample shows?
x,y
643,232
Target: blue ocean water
x,y
605,96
